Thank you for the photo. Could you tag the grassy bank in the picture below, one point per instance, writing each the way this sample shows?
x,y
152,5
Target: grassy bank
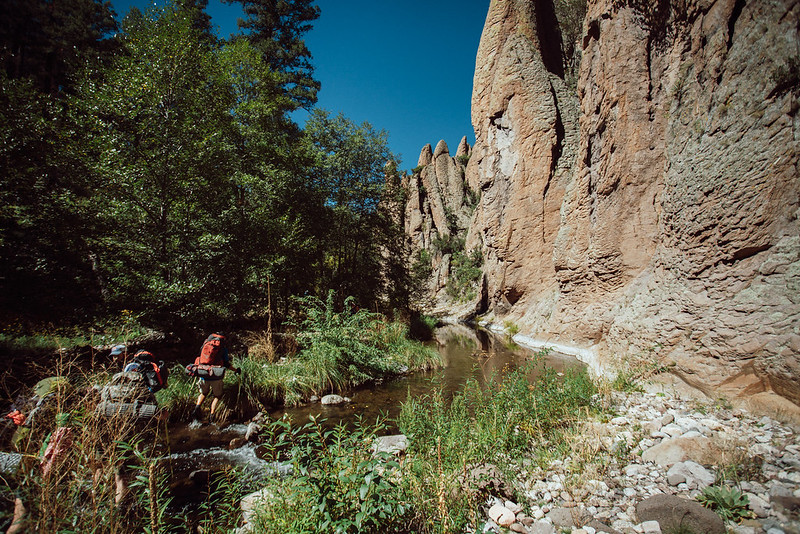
x,y
456,451
335,349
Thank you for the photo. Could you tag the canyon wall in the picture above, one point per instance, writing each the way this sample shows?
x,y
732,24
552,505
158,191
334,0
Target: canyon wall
x,y
650,213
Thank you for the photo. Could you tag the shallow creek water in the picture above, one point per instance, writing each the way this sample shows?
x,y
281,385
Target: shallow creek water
x,y
466,353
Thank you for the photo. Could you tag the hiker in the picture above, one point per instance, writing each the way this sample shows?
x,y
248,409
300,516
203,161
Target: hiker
x,y
119,353
132,391
129,399
213,359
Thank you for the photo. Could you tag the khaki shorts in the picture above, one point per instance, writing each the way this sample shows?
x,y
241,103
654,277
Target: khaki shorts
x,y
214,386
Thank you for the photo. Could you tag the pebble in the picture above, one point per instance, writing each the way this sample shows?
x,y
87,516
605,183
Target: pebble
x,y
648,419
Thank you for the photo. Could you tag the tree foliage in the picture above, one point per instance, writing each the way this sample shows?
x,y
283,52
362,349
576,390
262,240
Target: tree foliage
x,y
276,29
159,171
350,171
47,41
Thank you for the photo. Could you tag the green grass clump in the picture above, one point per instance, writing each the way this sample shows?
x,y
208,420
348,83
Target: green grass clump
x,y
348,347
338,349
489,424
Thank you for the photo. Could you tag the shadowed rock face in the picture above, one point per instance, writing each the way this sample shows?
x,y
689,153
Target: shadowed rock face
x,y
658,206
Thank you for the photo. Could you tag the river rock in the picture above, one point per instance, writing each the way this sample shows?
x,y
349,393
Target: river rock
x,y
695,475
253,431
757,505
671,451
543,527
237,443
394,445
674,512
565,517
330,400
250,504
501,515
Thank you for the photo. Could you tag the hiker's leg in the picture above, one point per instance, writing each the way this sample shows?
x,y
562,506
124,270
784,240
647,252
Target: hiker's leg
x,y
216,389
18,522
121,486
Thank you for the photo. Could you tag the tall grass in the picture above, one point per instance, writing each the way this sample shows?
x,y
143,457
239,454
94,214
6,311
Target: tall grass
x,y
78,493
348,347
336,479
527,409
337,349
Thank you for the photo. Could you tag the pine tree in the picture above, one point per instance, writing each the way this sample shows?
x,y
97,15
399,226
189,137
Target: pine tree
x,y
276,29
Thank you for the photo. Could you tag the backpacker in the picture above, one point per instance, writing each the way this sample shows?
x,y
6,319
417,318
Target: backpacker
x,y
155,375
127,394
211,353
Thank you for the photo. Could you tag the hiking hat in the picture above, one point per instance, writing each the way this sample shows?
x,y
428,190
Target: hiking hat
x,y
116,350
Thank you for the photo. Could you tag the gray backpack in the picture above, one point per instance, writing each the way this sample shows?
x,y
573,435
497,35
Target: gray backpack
x,y
127,395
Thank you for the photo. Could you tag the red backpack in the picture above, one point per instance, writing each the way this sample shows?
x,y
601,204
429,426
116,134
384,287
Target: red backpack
x,y
211,353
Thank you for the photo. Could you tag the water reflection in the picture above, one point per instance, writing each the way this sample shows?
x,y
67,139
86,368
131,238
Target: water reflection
x,y
466,353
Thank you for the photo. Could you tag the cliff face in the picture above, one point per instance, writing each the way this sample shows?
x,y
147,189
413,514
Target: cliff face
x,y
654,211
438,211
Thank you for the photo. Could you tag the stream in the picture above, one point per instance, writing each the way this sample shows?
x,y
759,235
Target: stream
x,y
466,353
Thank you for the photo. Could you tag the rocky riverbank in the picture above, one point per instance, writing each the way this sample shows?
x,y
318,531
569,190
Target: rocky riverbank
x,y
640,472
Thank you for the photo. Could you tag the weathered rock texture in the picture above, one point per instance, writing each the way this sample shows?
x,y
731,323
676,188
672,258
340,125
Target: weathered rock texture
x,y
525,122
438,209
656,211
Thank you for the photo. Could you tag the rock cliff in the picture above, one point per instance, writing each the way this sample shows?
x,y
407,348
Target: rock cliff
x,y
437,214
652,212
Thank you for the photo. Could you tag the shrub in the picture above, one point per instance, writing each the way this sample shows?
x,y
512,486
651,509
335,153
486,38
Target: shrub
x,y
337,483
448,244
465,271
511,328
421,270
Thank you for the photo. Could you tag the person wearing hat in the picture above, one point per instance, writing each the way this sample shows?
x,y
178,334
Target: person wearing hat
x,y
119,352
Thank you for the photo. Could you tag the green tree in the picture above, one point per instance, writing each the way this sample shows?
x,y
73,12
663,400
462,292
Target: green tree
x,y
48,40
46,210
349,170
276,29
273,235
46,271
160,141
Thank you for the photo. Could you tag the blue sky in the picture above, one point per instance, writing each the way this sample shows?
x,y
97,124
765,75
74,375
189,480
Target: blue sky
x,y
405,67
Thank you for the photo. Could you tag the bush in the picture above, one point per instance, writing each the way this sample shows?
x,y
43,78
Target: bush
x,y
465,271
337,483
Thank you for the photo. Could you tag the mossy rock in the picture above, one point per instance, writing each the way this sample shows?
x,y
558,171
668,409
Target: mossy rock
x,y
52,384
